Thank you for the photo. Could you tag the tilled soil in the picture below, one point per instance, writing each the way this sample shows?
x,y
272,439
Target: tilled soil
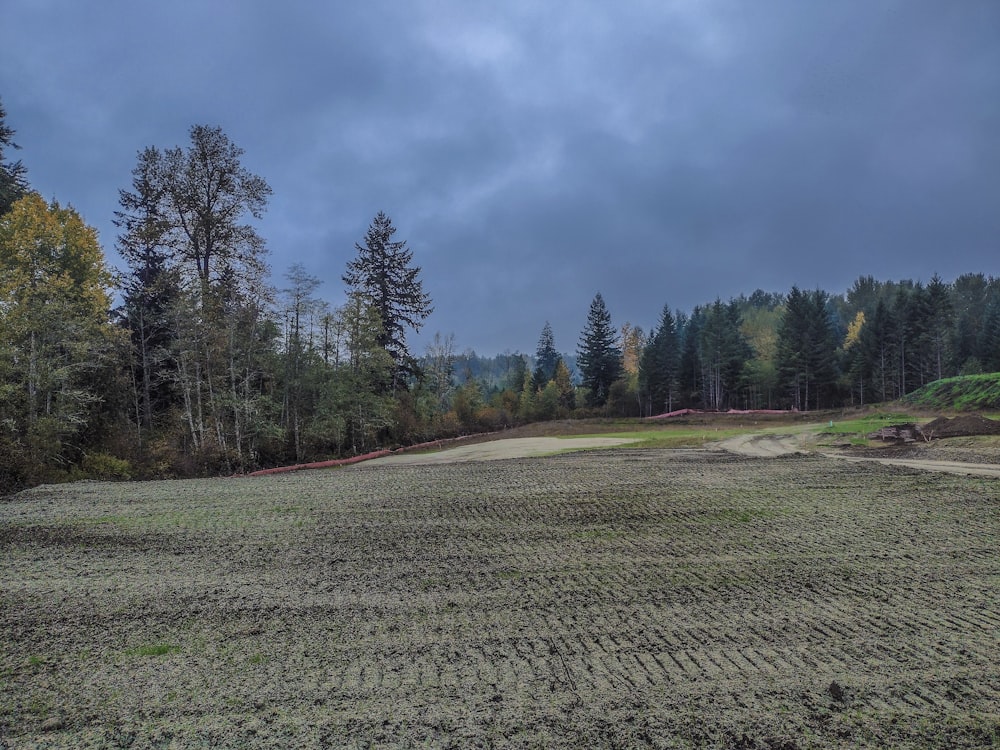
x,y
970,450
632,598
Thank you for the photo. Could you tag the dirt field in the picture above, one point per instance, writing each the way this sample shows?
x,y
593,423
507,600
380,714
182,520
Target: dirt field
x,y
939,457
495,450
625,598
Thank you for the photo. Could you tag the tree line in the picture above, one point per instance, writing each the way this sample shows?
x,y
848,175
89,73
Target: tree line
x,y
808,350
189,361
801,350
203,367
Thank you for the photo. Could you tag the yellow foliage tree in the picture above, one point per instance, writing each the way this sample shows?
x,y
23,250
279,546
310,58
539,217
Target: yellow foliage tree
x,y
854,330
633,342
54,314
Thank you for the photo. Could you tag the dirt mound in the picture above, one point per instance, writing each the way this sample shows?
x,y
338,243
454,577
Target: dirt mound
x,y
966,424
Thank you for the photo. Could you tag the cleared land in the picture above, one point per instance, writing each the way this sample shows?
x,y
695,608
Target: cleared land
x,y
624,598
495,450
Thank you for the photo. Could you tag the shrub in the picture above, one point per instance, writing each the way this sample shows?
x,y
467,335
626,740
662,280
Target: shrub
x,y
103,466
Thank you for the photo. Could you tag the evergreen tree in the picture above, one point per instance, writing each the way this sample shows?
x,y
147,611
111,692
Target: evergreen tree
x,y
359,399
301,356
658,366
384,274
989,336
807,349
546,357
942,318
876,354
690,369
969,300
150,287
723,351
598,356
13,182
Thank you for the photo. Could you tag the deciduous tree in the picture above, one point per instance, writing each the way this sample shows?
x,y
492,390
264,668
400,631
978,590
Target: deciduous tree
x,y
57,349
208,196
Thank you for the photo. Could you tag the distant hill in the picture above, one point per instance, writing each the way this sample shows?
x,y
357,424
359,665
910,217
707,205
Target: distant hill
x,y
963,393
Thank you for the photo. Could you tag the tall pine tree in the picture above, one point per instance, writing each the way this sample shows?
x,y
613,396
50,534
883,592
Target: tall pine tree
x,y
384,275
13,184
659,364
807,349
150,287
598,355
546,357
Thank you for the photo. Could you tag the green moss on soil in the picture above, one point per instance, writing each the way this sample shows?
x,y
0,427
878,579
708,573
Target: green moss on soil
x,y
963,393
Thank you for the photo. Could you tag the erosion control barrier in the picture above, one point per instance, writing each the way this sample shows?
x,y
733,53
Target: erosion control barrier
x,y
332,463
685,412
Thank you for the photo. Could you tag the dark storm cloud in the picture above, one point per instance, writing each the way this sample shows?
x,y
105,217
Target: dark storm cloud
x,y
534,154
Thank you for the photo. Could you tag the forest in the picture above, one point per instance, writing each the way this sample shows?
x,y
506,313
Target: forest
x,y
192,361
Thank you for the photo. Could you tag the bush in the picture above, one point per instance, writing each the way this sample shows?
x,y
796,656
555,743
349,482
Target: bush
x,y
102,466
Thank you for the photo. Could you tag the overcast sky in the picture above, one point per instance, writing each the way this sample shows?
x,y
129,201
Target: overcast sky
x,y
535,153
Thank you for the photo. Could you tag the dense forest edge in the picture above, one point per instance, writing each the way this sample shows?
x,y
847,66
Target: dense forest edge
x,y
188,362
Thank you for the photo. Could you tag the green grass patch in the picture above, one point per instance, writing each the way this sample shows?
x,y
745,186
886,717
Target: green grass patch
x,y
962,393
859,429
670,437
870,423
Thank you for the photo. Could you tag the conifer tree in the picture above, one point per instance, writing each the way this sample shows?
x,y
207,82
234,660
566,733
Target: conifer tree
x,y
384,275
598,356
807,348
546,357
659,364
150,287
13,184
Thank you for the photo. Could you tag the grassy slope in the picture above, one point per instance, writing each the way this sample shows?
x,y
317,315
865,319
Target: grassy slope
x,y
963,393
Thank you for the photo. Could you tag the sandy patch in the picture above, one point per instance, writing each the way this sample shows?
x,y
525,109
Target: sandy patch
x,y
763,446
500,449
770,446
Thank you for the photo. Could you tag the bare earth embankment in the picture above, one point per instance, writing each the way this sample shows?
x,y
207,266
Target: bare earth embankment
x,y
923,456
626,598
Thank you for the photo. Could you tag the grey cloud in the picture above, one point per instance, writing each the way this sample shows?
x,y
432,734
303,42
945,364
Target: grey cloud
x,y
533,154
